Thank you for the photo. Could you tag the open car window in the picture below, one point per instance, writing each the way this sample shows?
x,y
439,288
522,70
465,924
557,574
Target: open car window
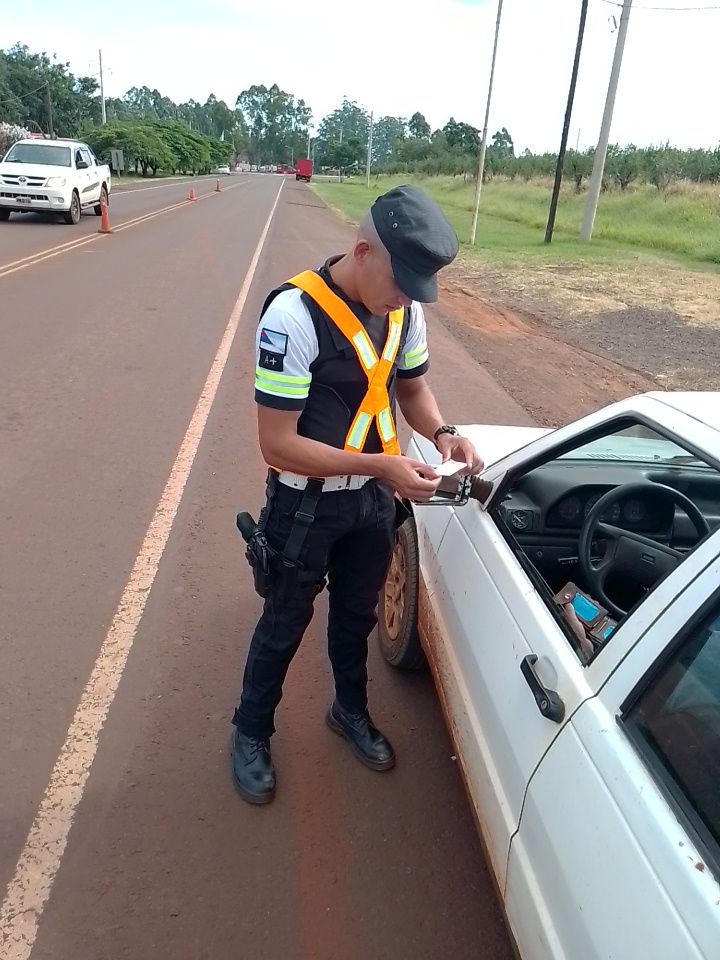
x,y
598,526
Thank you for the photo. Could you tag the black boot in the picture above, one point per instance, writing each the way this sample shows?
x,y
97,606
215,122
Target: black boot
x,y
366,741
253,770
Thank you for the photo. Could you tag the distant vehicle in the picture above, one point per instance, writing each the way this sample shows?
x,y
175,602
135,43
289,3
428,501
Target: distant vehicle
x,y
55,176
222,168
304,169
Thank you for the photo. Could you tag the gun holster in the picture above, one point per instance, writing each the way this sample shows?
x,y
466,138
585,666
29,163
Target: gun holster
x,y
275,573
272,573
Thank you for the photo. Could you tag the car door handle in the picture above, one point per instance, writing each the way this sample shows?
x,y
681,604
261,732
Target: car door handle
x,y
549,703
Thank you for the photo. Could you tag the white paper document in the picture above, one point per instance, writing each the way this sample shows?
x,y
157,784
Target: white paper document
x,y
449,468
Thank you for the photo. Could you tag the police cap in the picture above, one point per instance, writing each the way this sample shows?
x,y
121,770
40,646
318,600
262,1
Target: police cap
x,y
417,235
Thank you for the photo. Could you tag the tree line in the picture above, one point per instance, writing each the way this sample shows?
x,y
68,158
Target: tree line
x,y
267,125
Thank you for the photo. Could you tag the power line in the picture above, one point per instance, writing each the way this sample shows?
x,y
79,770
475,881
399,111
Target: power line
x,y
615,3
24,96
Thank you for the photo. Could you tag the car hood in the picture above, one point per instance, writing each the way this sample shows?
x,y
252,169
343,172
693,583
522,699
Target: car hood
x,y
34,170
493,442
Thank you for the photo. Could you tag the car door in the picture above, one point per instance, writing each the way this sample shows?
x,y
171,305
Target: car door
x,y
612,857
509,676
91,187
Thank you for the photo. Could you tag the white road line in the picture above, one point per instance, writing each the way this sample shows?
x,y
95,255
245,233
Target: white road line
x,y
40,859
33,258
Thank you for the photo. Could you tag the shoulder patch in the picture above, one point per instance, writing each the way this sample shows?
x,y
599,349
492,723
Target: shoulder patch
x,y
273,342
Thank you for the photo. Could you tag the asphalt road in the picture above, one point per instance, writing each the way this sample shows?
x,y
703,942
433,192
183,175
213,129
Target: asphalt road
x,y
127,444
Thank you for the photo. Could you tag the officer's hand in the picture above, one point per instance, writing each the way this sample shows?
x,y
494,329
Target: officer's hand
x,y
461,450
410,478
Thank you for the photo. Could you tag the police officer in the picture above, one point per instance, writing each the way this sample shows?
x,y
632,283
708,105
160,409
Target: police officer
x,y
336,348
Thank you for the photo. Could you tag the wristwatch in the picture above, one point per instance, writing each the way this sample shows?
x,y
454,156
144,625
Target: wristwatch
x,y
445,428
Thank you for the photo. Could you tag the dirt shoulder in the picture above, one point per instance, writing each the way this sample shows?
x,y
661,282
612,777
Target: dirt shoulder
x,y
563,338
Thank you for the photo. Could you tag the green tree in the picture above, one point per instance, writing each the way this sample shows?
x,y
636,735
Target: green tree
x,y
578,166
418,127
26,78
623,164
277,124
388,135
347,122
347,155
502,144
661,165
461,137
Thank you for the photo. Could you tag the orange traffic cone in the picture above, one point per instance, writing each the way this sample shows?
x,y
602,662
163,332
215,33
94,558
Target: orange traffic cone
x,y
104,218
191,195
217,188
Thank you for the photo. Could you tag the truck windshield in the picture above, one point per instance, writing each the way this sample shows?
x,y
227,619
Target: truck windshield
x,y
50,154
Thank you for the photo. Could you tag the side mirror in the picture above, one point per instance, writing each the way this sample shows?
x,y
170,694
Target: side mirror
x,y
82,165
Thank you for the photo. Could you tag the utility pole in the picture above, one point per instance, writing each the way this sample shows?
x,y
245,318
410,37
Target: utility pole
x,y
566,126
50,110
481,161
308,149
369,152
601,150
102,92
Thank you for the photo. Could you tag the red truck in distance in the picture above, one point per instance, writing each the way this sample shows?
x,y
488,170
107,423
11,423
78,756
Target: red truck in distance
x,y
303,169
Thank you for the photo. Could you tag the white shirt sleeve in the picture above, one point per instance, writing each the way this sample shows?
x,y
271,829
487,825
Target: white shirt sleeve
x,y
415,350
285,346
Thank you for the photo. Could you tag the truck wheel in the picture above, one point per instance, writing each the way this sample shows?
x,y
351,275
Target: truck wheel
x,y
73,214
398,604
98,206
4,215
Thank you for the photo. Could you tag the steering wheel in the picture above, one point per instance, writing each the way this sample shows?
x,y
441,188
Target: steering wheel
x,y
630,554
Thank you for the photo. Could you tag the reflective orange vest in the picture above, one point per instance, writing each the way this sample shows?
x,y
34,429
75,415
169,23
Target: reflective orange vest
x,y
376,402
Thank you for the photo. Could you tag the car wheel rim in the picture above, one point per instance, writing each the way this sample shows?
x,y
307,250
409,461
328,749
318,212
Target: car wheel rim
x,y
395,593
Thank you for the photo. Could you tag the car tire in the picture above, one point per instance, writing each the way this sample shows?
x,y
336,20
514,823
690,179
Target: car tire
x,y
98,206
72,216
4,214
398,604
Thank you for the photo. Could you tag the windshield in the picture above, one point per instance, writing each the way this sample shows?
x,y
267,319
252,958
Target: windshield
x,y
47,153
636,444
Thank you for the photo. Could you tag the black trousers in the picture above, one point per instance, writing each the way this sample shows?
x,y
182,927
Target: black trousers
x,y
350,541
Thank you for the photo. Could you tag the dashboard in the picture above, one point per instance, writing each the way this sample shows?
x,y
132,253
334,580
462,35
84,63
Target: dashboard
x,y
632,512
553,500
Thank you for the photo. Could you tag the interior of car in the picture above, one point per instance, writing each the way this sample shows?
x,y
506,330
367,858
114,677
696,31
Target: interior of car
x,y
599,526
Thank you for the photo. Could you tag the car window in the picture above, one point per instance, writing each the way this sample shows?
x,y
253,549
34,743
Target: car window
x,y
604,521
87,156
676,721
47,153
636,444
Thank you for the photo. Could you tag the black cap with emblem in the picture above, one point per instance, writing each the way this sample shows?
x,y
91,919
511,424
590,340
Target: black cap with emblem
x,y
417,235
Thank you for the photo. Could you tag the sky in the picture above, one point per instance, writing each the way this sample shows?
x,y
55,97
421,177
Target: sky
x,y
395,57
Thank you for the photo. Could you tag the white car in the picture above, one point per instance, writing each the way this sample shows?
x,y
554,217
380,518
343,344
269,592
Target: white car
x,y
52,176
223,168
570,612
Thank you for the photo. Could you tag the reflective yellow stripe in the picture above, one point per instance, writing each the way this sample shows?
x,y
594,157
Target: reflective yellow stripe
x,y
365,349
392,341
385,425
358,431
281,389
415,357
262,374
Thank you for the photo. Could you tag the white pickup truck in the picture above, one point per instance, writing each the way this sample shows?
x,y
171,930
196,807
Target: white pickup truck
x,y
55,176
